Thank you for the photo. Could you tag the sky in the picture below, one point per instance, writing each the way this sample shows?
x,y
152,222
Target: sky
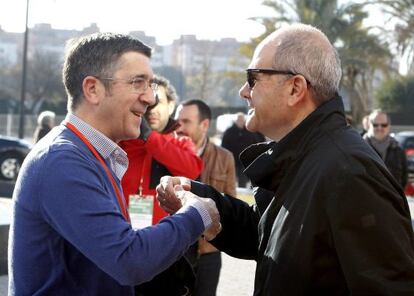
x,y
164,19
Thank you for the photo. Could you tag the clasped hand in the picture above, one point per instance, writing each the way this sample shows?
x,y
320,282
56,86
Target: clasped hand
x,y
174,192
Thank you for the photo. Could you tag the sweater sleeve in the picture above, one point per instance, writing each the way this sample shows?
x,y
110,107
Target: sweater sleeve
x,y
176,154
79,203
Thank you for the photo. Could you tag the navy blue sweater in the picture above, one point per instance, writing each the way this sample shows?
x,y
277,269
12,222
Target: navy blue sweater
x,y
68,236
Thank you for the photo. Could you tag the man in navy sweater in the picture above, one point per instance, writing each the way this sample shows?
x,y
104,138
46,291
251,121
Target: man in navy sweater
x,y
70,233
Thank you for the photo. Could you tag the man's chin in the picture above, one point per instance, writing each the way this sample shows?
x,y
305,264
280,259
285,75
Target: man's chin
x,y
132,135
250,125
154,127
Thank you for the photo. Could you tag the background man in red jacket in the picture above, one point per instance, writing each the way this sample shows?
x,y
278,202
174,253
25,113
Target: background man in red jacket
x,y
158,152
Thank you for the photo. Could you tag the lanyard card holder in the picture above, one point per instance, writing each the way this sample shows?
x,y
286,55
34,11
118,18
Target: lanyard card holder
x,y
141,210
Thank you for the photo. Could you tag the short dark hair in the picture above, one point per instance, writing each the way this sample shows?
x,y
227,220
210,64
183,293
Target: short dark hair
x,y
169,88
204,110
97,55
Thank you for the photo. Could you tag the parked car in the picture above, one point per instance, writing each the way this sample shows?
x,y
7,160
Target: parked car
x,y
12,153
406,141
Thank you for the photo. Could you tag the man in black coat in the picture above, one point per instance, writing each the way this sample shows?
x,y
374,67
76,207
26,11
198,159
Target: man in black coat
x,y
329,218
379,138
237,138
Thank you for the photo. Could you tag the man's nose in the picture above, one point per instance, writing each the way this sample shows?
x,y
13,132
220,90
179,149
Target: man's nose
x,y
149,97
244,91
180,128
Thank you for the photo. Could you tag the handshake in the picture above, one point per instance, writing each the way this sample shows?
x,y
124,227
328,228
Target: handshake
x,y
174,192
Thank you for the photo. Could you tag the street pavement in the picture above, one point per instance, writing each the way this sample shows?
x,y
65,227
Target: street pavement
x,y
236,278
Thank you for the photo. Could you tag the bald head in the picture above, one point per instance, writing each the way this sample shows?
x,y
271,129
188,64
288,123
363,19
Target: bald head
x,y
306,50
292,72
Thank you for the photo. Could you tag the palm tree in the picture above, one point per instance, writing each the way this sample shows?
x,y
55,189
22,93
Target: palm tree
x,y
363,55
401,14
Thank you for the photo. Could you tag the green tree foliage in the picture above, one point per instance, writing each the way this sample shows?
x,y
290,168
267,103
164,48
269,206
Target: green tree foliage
x,y
363,55
396,95
208,81
202,83
43,83
44,80
401,14
7,104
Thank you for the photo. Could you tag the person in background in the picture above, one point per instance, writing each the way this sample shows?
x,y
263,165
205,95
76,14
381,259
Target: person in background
x,y
45,122
158,152
235,139
379,138
365,125
194,117
349,119
70,232
338,223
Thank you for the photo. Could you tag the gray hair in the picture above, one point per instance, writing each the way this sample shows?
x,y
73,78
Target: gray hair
x,y
169,88
46,118
375,113
96,55
305,50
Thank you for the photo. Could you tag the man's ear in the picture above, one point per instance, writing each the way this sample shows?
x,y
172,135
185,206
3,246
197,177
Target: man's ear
x,y
299,90
205,124
171,106
92,89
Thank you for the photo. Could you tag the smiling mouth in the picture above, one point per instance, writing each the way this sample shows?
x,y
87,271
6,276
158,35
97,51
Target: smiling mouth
x,y
138,114
151,119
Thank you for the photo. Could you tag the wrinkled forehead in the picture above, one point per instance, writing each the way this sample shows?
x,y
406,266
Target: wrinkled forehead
x,y
188,112
380,118
191,111
264,54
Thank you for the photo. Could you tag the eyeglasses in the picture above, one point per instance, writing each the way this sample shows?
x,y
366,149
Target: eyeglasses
x,y
383,125
251,75
138,84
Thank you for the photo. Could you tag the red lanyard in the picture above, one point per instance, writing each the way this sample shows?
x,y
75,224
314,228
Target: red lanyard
x,y
108,172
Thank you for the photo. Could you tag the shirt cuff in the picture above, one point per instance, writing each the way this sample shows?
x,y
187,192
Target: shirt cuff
x,y
201,209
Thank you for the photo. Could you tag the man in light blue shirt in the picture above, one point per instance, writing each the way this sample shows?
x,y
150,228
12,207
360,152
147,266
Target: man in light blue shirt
x,y
70,233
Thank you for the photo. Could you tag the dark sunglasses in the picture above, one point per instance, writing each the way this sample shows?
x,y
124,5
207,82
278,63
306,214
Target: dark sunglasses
x,y
383,125
251,75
